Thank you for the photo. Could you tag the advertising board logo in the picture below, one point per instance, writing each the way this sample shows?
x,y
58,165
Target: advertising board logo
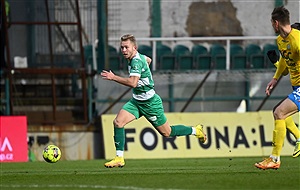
x,y
6,150
149,139
6,145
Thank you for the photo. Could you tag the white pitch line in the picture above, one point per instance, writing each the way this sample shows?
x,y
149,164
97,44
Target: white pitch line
x,y
82,187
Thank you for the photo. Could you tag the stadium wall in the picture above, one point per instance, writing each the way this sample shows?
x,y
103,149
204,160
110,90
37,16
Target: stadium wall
x,y
195,18
178,19
74,145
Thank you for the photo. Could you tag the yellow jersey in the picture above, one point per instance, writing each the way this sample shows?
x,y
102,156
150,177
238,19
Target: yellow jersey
x,y
289,49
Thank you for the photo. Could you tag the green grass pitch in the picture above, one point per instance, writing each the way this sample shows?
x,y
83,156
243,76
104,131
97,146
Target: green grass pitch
x,y
162,174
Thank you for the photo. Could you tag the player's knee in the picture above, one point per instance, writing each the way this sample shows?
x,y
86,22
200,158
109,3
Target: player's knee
x,y
165,134
278,114
164,130
275,115
117,123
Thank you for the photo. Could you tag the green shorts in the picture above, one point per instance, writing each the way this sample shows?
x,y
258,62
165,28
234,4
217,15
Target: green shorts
x,y
151,109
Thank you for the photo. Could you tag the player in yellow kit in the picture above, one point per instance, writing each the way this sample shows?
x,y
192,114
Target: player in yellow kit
x,y
288,43
290,124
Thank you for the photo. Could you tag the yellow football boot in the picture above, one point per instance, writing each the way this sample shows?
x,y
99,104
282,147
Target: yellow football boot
x,y
200,134
268,163
116,162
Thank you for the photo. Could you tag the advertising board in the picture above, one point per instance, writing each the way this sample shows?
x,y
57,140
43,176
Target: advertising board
x,y
13,139
229,135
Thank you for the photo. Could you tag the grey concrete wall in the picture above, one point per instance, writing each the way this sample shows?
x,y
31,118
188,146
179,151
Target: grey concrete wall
x,y
73,145
253,16
196,18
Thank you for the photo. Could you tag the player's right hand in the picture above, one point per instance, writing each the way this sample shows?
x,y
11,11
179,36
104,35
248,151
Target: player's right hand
x,y
107,75
270,86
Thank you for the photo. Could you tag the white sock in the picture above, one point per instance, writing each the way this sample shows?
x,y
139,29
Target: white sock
x,y
275,158
120,153
193,131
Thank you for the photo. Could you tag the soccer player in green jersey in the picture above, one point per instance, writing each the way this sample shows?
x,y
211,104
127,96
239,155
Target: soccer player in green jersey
x,y
288,42
144,102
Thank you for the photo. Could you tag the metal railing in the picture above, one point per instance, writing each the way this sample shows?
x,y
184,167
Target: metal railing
x,y
227,39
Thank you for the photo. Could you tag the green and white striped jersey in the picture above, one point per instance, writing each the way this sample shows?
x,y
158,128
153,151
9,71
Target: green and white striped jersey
x,y
138,66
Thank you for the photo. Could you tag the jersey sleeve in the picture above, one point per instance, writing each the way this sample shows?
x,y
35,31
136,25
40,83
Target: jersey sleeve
x,y
136,68
281,67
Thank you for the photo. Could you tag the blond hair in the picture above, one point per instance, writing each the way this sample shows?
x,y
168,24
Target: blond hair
x,y
129,37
